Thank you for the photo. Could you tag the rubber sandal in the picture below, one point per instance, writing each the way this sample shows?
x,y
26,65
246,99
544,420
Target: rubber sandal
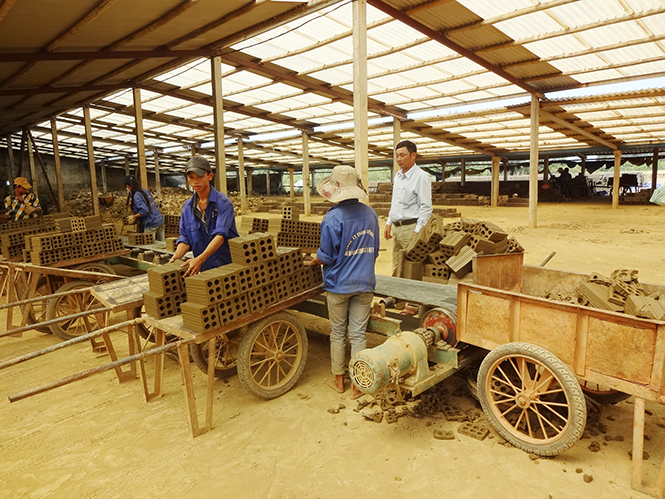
x,y
331,383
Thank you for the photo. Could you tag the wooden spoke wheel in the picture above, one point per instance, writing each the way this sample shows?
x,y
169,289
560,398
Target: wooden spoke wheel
x,y
531,398
272,355
37,312
102,268
64,306
602,394
148,332
226,354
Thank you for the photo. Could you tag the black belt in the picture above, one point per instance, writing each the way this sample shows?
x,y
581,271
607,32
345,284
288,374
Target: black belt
x,y
408,221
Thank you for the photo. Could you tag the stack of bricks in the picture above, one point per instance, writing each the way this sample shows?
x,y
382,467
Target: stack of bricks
x,y
170,243
260,276
13,235
440,252
167,290
172,225
621,292
140,238
90,238
296,234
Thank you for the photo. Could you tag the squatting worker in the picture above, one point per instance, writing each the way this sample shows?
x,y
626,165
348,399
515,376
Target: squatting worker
x,y
411,204
348,251
22,203
207,221
146,215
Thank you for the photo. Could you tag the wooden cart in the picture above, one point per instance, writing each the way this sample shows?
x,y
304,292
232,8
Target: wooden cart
x,y
540,350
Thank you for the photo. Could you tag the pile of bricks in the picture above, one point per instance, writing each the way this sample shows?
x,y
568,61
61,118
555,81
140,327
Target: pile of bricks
x,y
86,237
260,276
440,252
289,233
140,238
167,290
621,292
172,225
13,234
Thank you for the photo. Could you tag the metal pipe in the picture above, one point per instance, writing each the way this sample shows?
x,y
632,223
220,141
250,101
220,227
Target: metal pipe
x,y
73,341
549,257
95,370
39,298
54,321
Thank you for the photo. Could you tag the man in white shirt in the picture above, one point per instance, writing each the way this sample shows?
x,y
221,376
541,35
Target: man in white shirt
x,y
411,204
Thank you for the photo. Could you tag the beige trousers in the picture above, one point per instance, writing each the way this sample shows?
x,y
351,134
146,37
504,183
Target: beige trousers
x,y
401,239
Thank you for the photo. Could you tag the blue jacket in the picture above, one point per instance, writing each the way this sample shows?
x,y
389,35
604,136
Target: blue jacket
x,y
349,248
220,221
147,219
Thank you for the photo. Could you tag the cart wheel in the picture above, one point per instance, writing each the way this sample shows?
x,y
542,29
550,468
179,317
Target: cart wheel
x,y
531,398
226,354
272,355
602,394
100,267
148,332
63,306
38,310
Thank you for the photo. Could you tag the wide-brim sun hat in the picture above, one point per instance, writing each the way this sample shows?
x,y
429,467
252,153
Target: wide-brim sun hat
x,y
343,184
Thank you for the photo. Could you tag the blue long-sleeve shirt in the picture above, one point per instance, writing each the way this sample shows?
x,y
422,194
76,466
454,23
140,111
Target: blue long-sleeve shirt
x,y
219,221
349,247
150,217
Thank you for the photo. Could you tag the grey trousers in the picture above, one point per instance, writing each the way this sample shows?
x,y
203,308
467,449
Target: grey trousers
x,y
347,311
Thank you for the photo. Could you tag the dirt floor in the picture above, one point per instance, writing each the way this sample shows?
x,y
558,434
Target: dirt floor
x,y
97,438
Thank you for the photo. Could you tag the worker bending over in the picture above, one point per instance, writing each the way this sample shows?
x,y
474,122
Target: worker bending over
x,y
146,215
207,221
348,251
22,203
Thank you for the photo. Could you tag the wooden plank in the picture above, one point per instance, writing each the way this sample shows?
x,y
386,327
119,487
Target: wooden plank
x,y
212,360
88,259
499,271
75,274
188,387
552,329
515,325
579,364
426,293
658,360
488,317
122,295
638,443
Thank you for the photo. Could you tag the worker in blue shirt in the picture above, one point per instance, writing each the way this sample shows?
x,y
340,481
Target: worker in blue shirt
x,y
349,248
207,221
145,212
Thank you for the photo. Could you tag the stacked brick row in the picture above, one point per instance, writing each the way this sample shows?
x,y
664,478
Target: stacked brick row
x,y
167,290
13,234
170,243
172,225
140,238
260,276
78,238
441,252
296,234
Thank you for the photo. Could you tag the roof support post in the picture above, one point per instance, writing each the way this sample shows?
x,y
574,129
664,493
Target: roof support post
x,y
127,166
306,186
360,138
397,133
443,172
546,169
33,169
250,187
505,171
617,178
267,182
140,145
494,199
654,170
292,192
91,161
241,177
533,163
10,154
58,167
218,122
158,181
463,173
102,168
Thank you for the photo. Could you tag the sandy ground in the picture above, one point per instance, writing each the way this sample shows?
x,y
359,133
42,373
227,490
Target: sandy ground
x,y
97,438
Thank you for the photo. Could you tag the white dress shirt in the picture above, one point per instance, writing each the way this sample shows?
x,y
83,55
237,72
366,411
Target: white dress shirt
x,y
412,197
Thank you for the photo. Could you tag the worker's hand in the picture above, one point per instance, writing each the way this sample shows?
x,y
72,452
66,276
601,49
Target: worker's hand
x,y
387,233
194,266
314,261
29,210
130,220
414,235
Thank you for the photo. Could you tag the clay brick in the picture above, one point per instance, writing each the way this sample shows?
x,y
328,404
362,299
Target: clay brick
x,y
200,317
440,272
461,264
233,309
158,305
167,279
454,241
212,286
412,270
252,249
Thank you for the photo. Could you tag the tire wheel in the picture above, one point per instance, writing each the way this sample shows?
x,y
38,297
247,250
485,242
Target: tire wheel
x,y
38,310
63,306
531,398
602,394
272,355
226,349
102,268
